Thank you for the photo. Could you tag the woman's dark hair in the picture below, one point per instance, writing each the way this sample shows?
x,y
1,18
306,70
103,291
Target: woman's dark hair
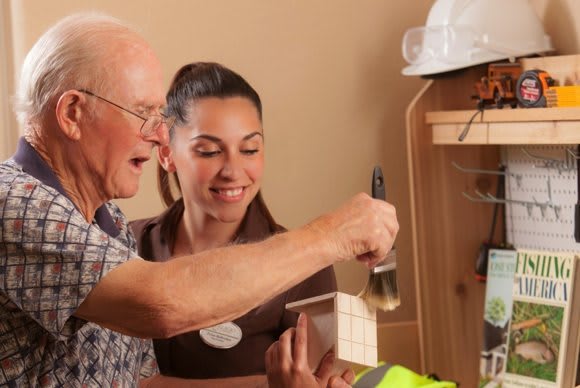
x,y
194,82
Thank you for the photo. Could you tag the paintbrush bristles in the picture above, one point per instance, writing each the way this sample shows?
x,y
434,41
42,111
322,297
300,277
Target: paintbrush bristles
x,y
382,290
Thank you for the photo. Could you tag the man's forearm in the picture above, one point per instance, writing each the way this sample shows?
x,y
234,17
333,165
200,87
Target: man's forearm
x,y
160,300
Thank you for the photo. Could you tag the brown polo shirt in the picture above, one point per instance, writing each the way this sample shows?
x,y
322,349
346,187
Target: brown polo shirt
x,y
186,355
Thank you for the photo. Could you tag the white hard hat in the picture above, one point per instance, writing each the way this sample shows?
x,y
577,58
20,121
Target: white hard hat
x,y
463,33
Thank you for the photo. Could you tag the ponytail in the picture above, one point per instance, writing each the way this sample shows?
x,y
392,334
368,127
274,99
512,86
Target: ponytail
x,y
164,185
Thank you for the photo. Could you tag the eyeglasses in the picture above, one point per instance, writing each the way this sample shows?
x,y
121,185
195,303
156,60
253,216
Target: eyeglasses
x,y
150,124
449,44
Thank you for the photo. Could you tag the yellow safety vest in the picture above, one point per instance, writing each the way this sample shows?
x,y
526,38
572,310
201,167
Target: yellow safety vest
x,y
397,376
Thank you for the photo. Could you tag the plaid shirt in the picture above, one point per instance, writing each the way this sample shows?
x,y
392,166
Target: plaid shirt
x,y
50,259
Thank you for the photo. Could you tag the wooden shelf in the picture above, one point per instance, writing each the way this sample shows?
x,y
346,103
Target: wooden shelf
x,y
505,115
507,126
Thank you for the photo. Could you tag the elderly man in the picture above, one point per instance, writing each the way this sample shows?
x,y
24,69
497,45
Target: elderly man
x,y
76,301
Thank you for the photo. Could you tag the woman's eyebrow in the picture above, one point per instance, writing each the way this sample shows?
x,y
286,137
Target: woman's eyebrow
x,y
207,137
251,135
216,139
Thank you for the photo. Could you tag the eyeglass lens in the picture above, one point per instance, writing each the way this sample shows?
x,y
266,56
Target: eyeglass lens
x,y
151,125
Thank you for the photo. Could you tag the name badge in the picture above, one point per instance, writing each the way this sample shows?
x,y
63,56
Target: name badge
x,y
223,336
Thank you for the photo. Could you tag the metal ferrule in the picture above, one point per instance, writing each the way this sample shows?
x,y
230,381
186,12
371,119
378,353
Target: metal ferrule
x,y
389,263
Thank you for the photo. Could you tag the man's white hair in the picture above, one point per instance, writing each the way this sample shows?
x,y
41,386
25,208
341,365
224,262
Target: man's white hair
x,y
70,55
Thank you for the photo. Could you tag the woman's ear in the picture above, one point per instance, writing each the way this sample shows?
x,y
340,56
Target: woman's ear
x,y
68,113
165,157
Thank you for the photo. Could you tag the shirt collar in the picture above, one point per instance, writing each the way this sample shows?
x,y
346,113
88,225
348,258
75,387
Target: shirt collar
x,y
31,163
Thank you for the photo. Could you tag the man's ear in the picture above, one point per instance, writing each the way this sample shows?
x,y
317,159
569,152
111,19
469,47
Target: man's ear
x,y
165,157
69,112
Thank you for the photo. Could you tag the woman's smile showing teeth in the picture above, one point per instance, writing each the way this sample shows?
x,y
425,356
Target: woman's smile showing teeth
x,y
229,195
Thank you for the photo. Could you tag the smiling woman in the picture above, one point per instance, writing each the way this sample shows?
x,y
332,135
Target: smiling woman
x,y
216,156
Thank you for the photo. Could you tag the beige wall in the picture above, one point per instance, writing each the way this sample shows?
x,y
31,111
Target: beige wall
x,y
8,129
561,18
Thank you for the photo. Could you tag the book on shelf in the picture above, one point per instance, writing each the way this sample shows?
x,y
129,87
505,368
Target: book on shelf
x,y
543,341
501,266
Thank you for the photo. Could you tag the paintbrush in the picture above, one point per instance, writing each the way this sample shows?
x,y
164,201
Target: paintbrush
x,y
382,290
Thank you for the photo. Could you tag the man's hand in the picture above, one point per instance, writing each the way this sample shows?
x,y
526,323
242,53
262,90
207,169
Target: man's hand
x,y
287,363
363,227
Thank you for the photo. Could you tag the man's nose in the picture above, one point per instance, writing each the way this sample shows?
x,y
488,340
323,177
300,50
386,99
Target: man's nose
x,y
160,136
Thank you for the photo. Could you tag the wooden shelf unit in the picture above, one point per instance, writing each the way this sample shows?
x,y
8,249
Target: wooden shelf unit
x,y
447,230
507,126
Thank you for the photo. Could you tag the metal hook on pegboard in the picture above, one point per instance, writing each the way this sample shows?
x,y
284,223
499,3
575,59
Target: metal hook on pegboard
x,y
489,198
572,154
561,165
548,204
529,205
504,171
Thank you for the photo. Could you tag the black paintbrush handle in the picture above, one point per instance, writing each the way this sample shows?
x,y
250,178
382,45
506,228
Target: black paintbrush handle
x,y
378,184
379,192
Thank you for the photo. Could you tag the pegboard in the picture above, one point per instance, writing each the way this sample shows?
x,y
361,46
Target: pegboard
x,y
544,175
